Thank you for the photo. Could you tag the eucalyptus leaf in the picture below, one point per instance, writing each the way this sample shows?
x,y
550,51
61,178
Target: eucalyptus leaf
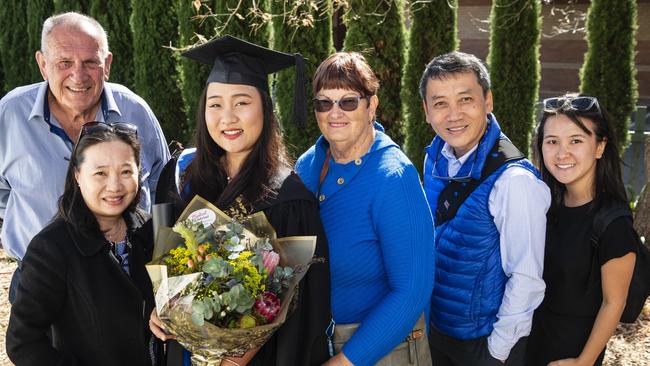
x,y
198,309
197,318
217,267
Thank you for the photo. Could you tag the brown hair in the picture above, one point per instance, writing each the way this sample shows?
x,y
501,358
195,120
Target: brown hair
x,y
346,70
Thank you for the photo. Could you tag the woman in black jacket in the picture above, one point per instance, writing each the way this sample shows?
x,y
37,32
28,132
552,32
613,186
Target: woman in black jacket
x,y
85,296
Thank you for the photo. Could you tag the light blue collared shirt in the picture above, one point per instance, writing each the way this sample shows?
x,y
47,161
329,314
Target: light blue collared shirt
x,y
518,202
34,158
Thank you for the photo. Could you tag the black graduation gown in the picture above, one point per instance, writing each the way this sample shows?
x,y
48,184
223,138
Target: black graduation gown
x,y
301,340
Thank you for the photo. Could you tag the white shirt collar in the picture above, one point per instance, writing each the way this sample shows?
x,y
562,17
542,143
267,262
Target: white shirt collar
x,y
454,164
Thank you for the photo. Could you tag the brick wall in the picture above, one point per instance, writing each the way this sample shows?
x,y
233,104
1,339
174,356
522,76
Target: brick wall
x,y
561,54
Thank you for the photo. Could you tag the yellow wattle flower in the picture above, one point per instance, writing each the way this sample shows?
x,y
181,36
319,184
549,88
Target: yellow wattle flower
x,y
189,237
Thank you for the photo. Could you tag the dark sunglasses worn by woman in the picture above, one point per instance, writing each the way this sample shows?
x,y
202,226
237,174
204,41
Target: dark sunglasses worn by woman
x,y
347,104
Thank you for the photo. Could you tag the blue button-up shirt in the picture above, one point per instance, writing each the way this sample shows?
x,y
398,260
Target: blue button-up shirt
x,y
34,157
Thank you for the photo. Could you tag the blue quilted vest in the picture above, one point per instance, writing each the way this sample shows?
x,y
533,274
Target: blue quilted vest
x,y
469,279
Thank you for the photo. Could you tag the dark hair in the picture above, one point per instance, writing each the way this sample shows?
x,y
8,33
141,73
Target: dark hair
x,y
207,176
451,63
346,70
608,186
72,207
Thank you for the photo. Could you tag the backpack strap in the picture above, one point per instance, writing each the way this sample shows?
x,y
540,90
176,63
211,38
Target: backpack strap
x,y
604,217
456,192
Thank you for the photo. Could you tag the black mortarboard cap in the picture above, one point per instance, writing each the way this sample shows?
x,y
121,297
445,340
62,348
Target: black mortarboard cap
x,y
235,61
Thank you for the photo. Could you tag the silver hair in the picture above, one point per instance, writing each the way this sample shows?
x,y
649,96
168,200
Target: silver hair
x,y
78,20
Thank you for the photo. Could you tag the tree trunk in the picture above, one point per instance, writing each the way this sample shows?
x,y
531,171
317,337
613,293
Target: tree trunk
x,y
642,217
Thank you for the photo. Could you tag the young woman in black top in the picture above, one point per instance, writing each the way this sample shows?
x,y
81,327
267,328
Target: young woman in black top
x,y
586,285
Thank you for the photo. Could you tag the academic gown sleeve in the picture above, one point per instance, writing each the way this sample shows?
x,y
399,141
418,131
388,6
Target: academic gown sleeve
x,y
301,340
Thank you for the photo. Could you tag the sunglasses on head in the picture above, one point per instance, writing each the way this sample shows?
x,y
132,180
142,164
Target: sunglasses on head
x,y
347,104
117,127
580,104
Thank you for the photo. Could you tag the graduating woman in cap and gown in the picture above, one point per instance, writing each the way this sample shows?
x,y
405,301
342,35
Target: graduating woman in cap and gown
x,y
240,165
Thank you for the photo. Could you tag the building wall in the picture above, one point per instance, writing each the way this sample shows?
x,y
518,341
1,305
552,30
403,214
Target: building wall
x,y
561,54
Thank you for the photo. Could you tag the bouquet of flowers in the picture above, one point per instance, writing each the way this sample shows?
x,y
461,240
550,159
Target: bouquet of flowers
x,y
224,286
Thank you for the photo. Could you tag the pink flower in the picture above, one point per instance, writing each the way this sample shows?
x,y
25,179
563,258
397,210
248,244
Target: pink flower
x,y
271,260
268,306
190,263
199,258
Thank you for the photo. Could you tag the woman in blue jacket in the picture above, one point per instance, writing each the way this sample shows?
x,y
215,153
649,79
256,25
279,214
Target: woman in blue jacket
x,y
374,211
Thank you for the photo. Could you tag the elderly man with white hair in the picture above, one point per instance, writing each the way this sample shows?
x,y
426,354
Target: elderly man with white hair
x,y
39,124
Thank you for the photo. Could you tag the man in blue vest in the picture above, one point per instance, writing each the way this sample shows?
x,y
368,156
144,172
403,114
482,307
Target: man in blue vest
x,y
489,208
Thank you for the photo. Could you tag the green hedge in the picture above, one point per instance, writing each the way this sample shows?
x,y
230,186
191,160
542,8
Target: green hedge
x,y
62,6
514,66
37,12
432,33
608,71
247,25
113,15
315,44
192,74
14,54
155,26
2,80
376,29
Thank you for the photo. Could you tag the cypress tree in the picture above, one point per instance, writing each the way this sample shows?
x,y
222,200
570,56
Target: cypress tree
x,y
114,15
2,81
192,74
246,22
514,66
14,54
314,42
155,26
376,29
609,72
80,6
37,12
432,33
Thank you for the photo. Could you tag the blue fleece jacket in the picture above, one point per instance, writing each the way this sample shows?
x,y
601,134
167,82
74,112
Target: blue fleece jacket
x,y
380,236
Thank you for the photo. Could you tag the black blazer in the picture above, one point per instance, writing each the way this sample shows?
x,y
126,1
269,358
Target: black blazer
x,y
72,284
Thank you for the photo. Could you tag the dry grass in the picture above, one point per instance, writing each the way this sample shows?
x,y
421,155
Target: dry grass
x,y
7,268
630,345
